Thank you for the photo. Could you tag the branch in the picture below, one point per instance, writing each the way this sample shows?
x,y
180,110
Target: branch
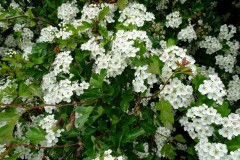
x,y
24,16
45,105
34,146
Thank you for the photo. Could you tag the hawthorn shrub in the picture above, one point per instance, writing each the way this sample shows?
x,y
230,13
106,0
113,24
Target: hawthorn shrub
x,y
119,80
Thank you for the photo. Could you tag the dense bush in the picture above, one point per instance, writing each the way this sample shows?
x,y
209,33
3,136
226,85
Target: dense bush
x,y
144,79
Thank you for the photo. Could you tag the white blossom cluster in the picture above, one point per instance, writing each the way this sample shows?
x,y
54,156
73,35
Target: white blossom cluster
x,y
198,121
57,91
173,20
211,44
163,4
48,34
68,11
107,156
90,13
161,136
122,48
48,124
26,153
135,14
187,34
6,98
227,32
140,76
207,150
10,41
231,126
145,152
2,148
182,1
233,91
206,72
226,62
213,88
172,55
178,94
233,47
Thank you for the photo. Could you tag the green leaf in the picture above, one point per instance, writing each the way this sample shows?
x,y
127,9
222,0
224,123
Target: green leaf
x,y
223,109
132,134
35,134
171,42
127,97
198,80
180,138
148,126
103,31
122,4
155,66
13,157
97,79
103,13
168,150
233,144
166,114
84,113
6,131
23,90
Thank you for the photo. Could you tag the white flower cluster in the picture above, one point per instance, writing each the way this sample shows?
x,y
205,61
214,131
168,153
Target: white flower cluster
x,y
140,76
48,124
145,152
163,4
2,148
233,91
231,126
172,55
207,150
226,62
161,136
234,155
187,34
7,99
206,72
201,118
211,44
173,20
233,47
54,91
90,12
48,34
62,62
182,1
26,153
135,14
68,11
213,88
227,32
10,53
26,43
198,121
178,94
107,156
10,41
116,60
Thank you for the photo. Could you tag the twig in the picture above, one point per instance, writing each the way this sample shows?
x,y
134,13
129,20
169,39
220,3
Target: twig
x,y
45,105
34,146
24,16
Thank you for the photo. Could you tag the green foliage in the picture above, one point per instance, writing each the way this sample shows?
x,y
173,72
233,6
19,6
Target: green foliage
x,y
6,131
168,150
35,134
166,114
